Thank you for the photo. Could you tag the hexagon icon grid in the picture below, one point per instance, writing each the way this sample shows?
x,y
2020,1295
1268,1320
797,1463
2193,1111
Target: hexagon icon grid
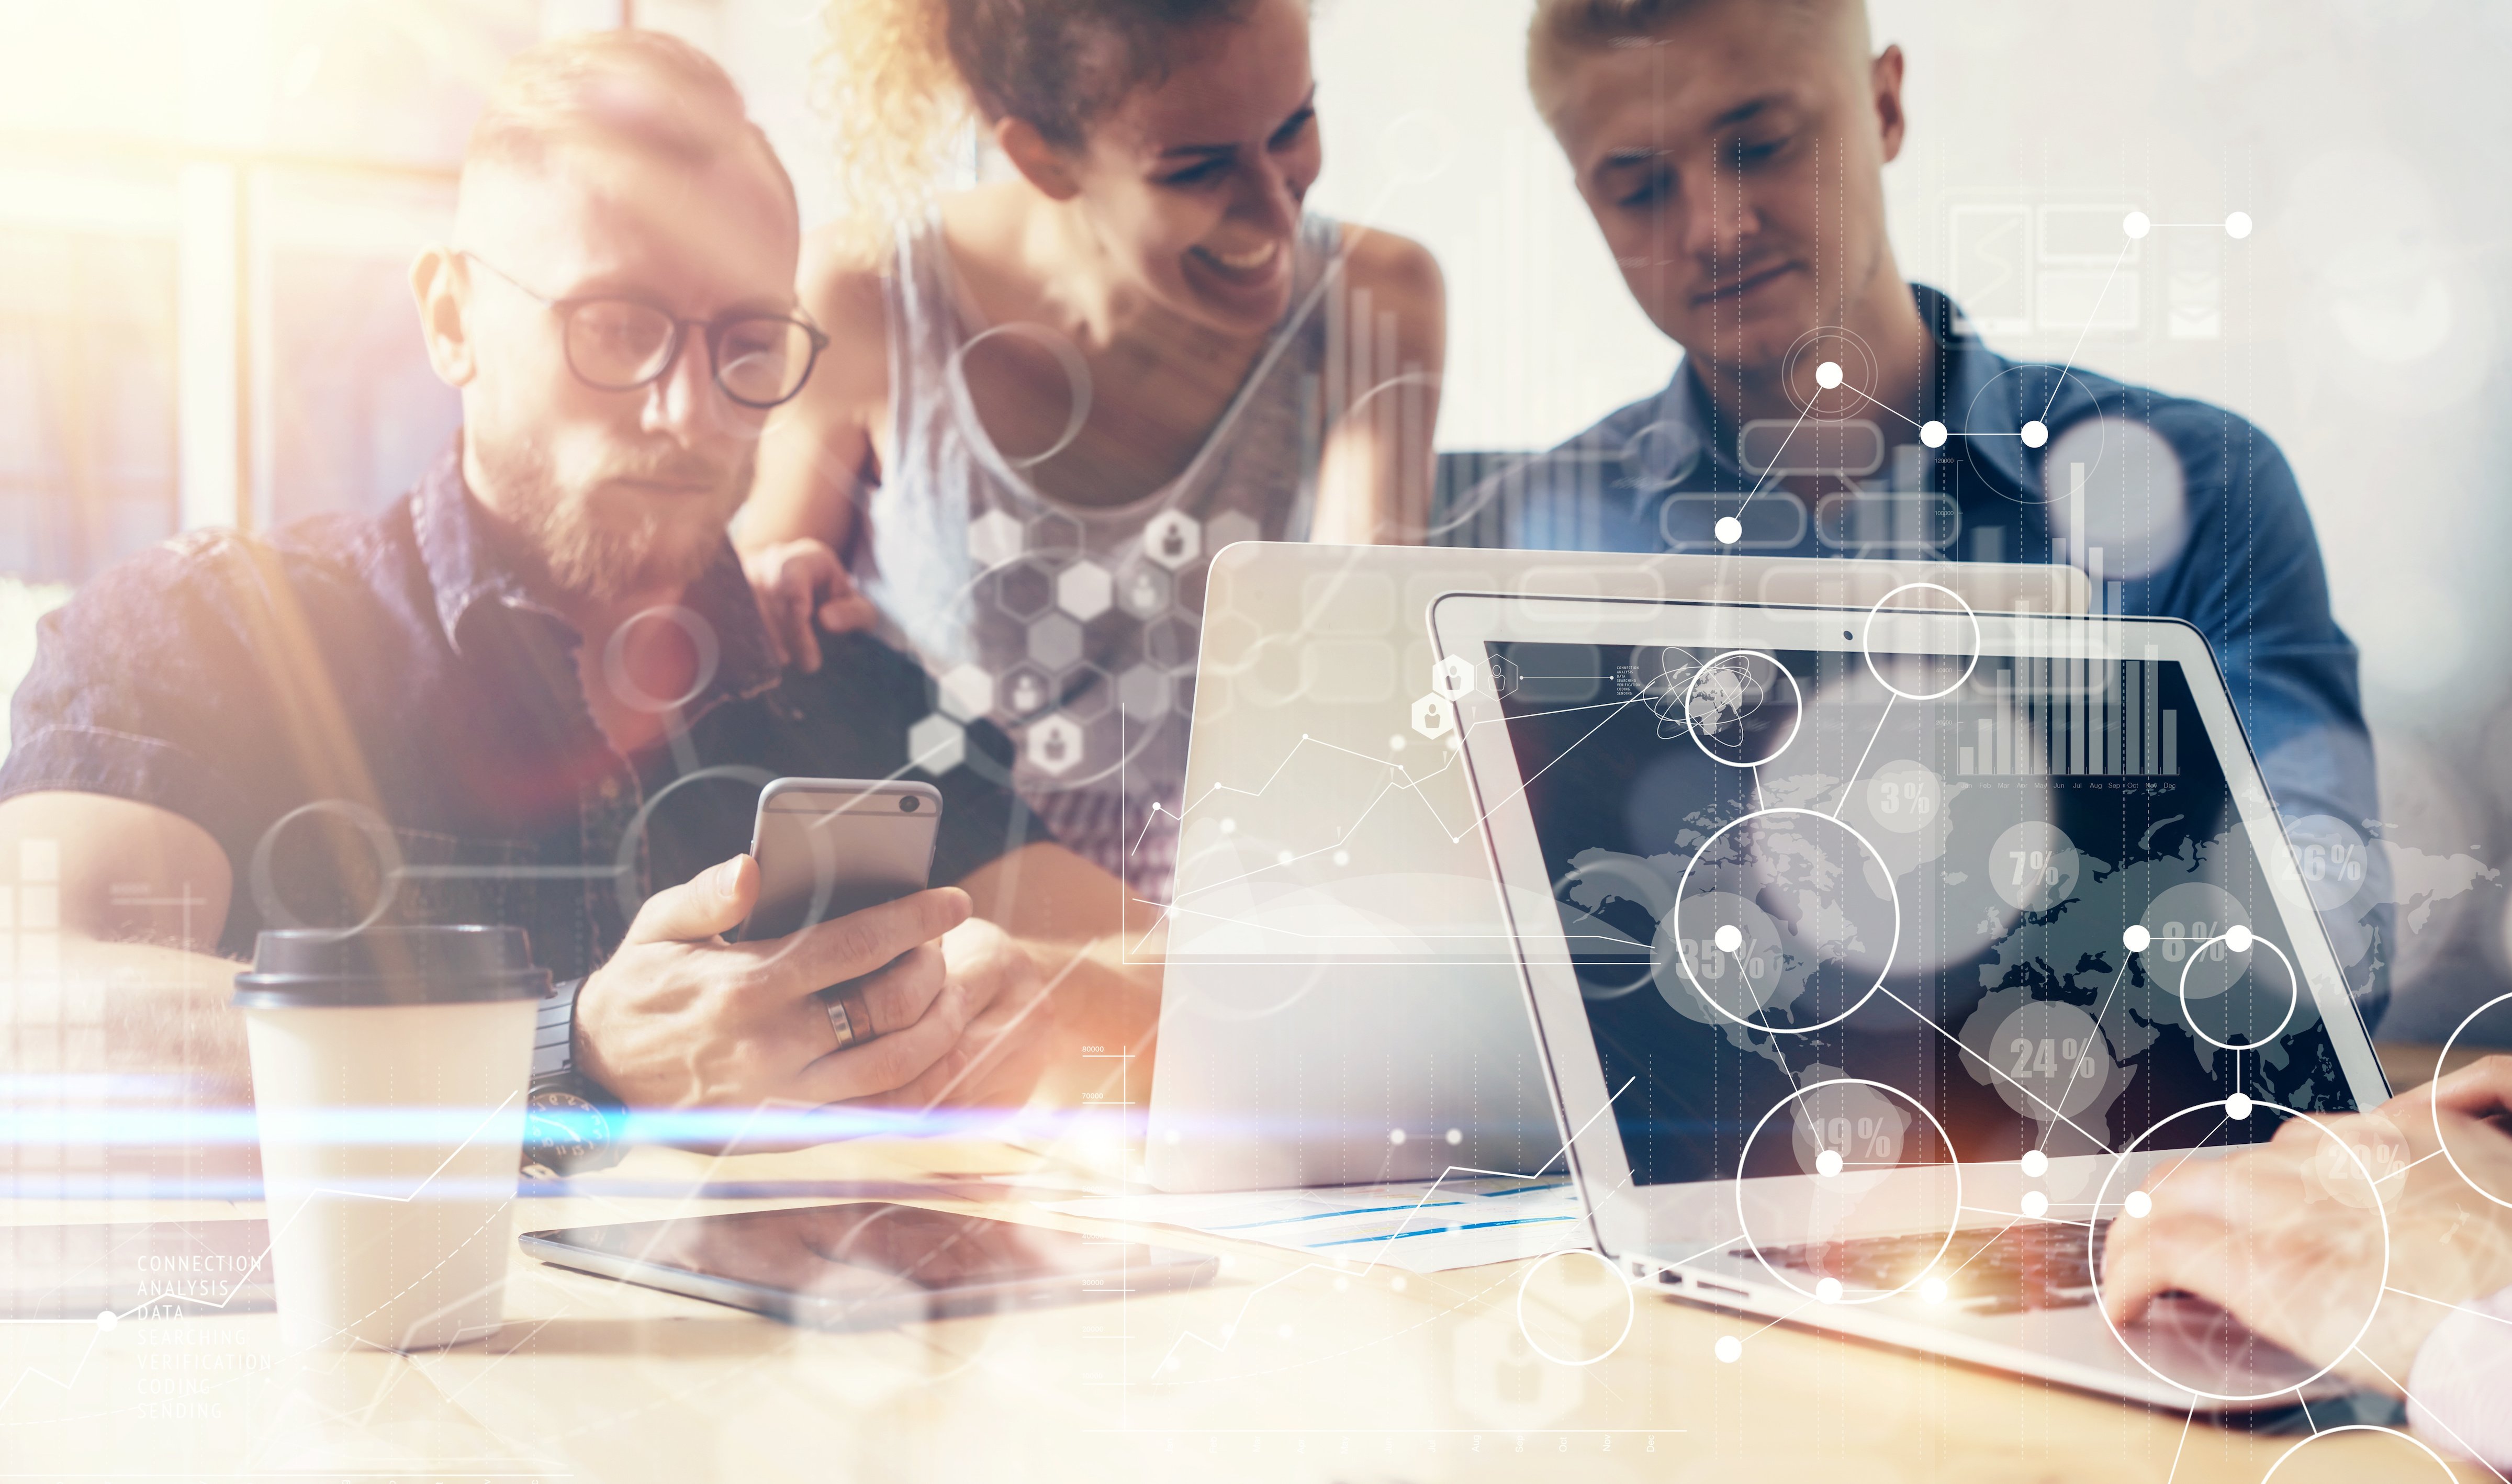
x,y
1086,591
937,744
966,691
1054,744
1023,590
1144,589
1055,642
1089,692
1172,539
1144,692
1452,677
1026,690
995,538
1432,717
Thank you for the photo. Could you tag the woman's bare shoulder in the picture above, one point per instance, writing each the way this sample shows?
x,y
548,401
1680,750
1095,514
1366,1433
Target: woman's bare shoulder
x,y
840,285
1398,271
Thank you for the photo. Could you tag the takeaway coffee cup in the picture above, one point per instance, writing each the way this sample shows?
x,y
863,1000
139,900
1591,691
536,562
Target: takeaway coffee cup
x,y
390,1073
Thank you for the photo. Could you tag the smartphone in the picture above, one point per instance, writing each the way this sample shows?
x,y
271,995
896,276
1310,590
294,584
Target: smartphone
x,y
828,846
868,1264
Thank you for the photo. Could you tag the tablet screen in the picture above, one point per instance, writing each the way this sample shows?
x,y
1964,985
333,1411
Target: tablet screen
x,y
863,1254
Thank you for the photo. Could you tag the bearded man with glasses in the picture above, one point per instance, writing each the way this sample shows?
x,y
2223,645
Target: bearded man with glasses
x,y
537,691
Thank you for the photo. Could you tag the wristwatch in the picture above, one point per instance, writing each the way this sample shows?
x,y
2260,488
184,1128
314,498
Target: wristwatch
x,y
572,1123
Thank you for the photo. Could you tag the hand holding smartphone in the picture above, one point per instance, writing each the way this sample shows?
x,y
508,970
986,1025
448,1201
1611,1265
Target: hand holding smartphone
x,y
830,846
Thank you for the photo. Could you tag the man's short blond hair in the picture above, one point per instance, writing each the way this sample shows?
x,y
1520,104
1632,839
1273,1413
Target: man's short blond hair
x,y
1564,30
641,90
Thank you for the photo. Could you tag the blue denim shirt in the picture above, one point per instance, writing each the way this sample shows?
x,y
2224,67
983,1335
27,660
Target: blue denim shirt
x,y
2227,545
377,721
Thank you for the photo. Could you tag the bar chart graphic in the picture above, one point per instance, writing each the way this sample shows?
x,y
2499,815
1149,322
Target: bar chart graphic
x,y
2085,715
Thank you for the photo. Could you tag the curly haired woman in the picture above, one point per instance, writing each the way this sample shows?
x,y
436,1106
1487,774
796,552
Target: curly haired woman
x,y
1051,398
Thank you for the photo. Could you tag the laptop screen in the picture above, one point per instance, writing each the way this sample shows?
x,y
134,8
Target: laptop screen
x,y
1774,869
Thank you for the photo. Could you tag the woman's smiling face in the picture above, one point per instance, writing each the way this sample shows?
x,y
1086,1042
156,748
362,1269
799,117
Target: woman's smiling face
x,y
1192,182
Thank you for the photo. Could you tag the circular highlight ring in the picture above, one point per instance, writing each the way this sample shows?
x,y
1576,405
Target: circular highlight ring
x,y
380,837
615,659
1866,642
2293,984
1794,721
1955,1165
2439,1063
1881,974
2092,1258
1630,1307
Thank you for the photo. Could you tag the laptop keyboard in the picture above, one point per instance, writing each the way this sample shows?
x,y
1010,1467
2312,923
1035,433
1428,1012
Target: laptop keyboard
x,y
2028,1266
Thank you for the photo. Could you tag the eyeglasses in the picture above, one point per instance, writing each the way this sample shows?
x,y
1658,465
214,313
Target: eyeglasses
x,y
619,344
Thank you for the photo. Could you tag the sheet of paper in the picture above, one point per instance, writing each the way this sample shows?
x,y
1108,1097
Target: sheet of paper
x,y
1420,1227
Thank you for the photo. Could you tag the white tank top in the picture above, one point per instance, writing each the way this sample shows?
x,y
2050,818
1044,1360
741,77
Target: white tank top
x,y
1074,628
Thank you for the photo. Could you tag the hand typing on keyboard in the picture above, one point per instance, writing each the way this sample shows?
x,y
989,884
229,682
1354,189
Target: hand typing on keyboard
x,y
2288,1235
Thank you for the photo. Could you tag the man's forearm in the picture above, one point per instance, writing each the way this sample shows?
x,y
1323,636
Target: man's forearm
x,y
133,1009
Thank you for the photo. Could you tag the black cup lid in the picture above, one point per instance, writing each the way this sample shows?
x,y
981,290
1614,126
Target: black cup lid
x,y
390,966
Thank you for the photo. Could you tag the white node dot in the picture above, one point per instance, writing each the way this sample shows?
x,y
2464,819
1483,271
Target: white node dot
x,y
1395,744
1343,857
1397,1282
1728,1349
2238,938
2035,1204
2137,939
107,1319
1282,857
1171,1136
1342,1284
1729,938
1933,1291
2238,226
1281,1332
1455,1136
1395,1136
1933,433
1229,1331
1828,1163
1229,827
1729,530
2238,1107
2036,434
1827,374
2139,1204
1827,1291
2035,1163
2136,224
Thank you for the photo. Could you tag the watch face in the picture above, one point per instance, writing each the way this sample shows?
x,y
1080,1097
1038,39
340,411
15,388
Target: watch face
x,y
561,1126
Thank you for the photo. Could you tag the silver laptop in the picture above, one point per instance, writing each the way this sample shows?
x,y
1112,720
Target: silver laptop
x,y
1340,1002
1879,954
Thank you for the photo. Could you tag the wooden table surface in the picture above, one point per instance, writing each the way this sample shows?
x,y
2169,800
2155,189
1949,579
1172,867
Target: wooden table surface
x,y
1286,1371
